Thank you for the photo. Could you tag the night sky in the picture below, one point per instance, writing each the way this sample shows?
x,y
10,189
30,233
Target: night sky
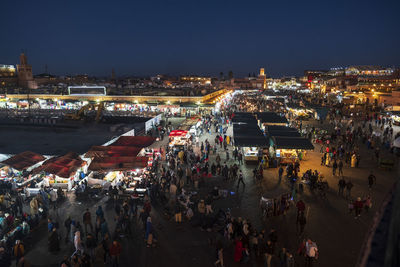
x,y
203,37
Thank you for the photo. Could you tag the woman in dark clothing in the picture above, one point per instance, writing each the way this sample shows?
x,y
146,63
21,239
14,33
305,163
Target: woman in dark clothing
x,y
54,241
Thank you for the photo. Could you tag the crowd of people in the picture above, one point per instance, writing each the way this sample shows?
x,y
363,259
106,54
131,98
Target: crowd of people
x,y
177,186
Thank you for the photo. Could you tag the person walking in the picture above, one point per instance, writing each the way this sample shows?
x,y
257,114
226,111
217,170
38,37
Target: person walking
x,y
220,257
67,224
208,205
334,167
280,172
19,251
34,205
87,220
99,212
240,180
358,205
301,223
269,252
178,212
311,252
367,203
115,252
91,245
54,241
349,186
53,198
19,203
237,257
240,158
341,185
289,259
340,166
301,207
371,180
78,242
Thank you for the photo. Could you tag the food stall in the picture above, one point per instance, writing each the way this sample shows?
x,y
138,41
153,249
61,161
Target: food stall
x,y
251,141
191,124
15,166
179,138
270,118
395,116
61,171
125,172
289,149
152,154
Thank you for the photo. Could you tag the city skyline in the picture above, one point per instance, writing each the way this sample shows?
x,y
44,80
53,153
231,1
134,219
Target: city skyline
x,y
207,38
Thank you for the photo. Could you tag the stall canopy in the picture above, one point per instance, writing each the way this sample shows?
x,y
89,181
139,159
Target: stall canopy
x,y
113,151
63,166
292,143
244,117
23,160
178,133
246,130
271,117
107,164
280,128
137,141
284,133
249,135
251,141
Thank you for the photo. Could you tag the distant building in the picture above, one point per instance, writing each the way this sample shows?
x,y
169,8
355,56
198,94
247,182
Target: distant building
x,y
196,79
262,79
8,76
262,72
368,71
7,71
25,77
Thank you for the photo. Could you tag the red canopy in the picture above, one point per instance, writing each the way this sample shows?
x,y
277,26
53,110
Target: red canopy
x,y
113,151
63,166
178,133
23,160
118,163
138,141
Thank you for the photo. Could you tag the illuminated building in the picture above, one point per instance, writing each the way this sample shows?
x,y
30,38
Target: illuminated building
x,y
368,71
261,72
25,77
196,79
262,79
7,71
8,77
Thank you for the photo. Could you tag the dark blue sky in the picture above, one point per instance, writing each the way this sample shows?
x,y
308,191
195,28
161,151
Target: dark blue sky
x,y
204,37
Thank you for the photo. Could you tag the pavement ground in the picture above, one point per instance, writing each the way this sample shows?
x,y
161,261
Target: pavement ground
x,y
338,234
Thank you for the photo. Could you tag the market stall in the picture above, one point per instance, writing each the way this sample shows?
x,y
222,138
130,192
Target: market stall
x,y
270,118
15,166
251,140
299,112
136,141
113,151
191,124
289,149
179,138
395,116
127,173
61,171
